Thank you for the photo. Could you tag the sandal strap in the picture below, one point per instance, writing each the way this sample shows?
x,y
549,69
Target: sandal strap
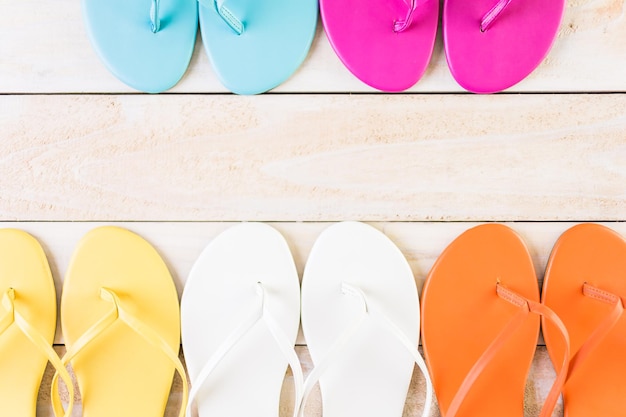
x,y
155,20
225,13
37,339
257,313
402,25
118,312
525,306
605,326
367,311
493,14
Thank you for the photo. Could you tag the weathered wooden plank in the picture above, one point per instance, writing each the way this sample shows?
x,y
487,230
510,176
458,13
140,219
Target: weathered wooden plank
x,y
538,384
313,157
45,49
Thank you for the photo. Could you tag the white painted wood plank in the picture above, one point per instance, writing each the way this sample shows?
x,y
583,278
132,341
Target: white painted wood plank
x,y
44,49
538,384
313,157
181,243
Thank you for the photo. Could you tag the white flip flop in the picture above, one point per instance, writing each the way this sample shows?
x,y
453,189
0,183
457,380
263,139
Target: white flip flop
x,y
361,321
240,314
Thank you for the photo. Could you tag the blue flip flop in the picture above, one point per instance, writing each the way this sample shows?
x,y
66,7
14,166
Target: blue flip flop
x,y
255,45
147,44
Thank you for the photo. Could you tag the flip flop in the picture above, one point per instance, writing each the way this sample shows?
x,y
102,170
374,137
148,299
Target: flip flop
x,y
120,319
240,315
492,45
146,44
585,284
387,44
360,318
27,324
478,333
256,45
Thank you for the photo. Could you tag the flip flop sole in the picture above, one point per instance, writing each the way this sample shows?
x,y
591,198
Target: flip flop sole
x,y
24,267
218,296
370,376
362,35
276,39
119,373
120,31
597,255
508,51
462,314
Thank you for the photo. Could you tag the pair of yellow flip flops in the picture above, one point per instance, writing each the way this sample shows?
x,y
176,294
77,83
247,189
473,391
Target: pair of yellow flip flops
x,y
120,320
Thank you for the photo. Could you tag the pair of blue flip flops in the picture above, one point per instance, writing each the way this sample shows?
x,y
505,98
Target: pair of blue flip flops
x,y
253,45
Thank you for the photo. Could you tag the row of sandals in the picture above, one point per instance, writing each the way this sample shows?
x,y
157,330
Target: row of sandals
x,y
360,313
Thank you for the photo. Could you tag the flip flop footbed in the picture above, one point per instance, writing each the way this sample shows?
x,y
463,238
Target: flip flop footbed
x,y
362,34
462,314
509,50
276,39
121,33
24,267
119,372
370,374
220,293
594,254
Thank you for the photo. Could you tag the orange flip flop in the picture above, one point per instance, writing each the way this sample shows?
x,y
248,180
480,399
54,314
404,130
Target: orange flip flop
x,y
478,333
585,284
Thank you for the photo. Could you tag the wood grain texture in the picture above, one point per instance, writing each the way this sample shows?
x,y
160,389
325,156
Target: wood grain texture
x,y
539,381
313,157
45,49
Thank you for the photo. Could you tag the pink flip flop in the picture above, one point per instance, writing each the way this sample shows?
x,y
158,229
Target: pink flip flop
x,y
387,44
493,44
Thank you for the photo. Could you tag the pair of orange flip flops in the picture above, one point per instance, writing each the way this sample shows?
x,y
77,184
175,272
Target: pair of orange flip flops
x,y
481,316
120,319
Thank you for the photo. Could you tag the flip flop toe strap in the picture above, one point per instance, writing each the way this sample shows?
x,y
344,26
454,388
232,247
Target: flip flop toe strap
x,y
225,13
368,310
403,24
493,14
257,313
118,312
605,326
525,306
12,316
155,21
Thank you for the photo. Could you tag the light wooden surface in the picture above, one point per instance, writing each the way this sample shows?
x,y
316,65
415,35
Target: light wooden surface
x,y
79,149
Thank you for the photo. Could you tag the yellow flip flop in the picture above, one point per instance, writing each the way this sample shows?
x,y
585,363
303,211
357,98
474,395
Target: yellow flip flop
x,y
121,323
27,324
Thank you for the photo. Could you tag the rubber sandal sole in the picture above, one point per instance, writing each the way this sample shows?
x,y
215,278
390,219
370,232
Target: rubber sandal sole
x,y
462,314
353,278
508,51
363,37
596,255
121,33
24,268
119,372
219,295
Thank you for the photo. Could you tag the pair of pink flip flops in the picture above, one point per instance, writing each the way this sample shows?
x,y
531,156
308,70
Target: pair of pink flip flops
x,y
490,45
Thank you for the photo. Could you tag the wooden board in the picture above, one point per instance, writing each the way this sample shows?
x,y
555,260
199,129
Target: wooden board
x,y
45,49
313,157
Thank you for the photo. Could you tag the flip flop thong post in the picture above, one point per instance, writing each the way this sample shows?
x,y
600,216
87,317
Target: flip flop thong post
x,y
585,284
492,45
387,44
121,324
146,44
27,324
240,315
480,324
256,45
360,318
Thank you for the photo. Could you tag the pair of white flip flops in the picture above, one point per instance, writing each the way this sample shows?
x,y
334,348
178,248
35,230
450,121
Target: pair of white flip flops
x,y
241,309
